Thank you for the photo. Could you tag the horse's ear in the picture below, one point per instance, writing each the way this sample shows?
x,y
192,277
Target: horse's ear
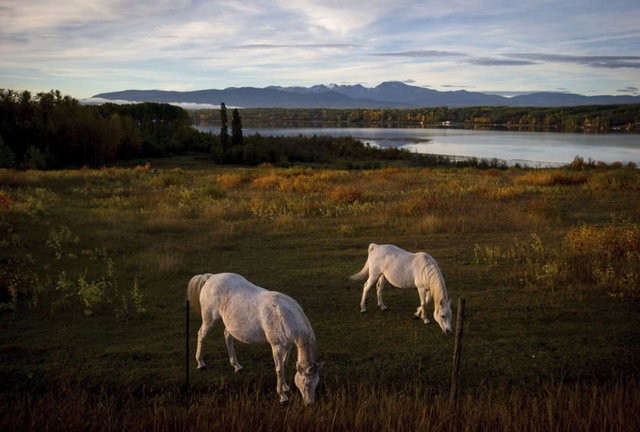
x,y
449,302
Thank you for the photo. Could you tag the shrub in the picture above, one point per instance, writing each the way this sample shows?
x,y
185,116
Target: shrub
x,y
527,261
342,194
619,179
607,256
551,178
231,180
92,288
267,181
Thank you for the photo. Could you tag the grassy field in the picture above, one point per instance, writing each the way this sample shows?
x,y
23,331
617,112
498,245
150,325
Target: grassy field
x,y
95,265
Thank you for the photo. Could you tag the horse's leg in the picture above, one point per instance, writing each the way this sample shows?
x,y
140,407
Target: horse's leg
x,y
379,289
279,354
425,298
207,324
285,386
232,352
371,281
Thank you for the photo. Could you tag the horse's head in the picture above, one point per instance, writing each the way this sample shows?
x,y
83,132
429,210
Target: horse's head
x,y
306,380
442,315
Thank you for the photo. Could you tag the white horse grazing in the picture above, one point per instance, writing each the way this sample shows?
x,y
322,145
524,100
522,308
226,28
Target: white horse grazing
x,y
253,314
389,263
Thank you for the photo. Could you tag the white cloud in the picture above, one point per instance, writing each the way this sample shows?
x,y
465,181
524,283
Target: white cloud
x,y
341,16
86,47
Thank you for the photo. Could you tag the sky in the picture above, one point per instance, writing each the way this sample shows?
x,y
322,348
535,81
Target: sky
x,y
85,47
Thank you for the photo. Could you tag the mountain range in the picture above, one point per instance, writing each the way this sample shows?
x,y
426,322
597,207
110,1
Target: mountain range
x,y
391,94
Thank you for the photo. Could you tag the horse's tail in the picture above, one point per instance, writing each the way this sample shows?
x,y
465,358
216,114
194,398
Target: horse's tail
x,y
362,273
365,270
193,291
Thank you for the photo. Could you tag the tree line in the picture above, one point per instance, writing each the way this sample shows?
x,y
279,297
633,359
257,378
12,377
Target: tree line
x,y
595,118
52,131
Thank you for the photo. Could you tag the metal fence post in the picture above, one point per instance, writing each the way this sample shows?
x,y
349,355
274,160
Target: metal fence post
x,y
186,348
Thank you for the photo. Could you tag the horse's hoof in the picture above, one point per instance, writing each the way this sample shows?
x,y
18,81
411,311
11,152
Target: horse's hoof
x,y
383,308
416,317
363,311
203,367
237,369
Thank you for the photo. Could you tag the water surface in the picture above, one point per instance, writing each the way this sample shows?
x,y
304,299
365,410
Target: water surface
x,y
529,148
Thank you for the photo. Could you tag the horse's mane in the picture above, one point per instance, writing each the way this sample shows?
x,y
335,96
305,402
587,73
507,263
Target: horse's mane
x,y
193,290
433,274
293,324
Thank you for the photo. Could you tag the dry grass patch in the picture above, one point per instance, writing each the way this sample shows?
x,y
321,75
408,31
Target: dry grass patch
x,y
430,224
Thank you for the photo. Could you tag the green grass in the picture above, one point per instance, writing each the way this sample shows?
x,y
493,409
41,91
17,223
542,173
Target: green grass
x,y
551,329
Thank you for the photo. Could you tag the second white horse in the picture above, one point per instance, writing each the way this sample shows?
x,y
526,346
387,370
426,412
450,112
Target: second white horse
x,y
402,269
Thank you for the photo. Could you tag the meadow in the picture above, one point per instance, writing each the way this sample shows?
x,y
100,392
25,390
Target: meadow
x,y
95,262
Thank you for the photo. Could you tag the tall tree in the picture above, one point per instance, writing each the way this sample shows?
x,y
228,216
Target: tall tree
x,y
224,129
236,128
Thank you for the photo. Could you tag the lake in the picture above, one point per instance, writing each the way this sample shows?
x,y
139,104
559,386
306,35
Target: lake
x,y
535,149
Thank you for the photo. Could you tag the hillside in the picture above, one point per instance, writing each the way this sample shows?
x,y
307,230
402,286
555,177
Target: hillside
x,y
391,94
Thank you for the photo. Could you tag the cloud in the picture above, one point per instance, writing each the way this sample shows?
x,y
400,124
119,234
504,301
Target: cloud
x,y
340,17
629,89
419,54
40,15
309,45
91,46
610,62
185,105
489,61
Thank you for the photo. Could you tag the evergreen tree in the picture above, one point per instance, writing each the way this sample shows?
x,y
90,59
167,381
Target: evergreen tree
x,y
7,158
236,128
224,129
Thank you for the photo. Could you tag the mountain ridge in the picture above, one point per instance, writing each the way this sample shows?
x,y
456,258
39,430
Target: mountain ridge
x,y
389,94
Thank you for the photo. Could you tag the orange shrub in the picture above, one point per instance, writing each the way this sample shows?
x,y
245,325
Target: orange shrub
x,y
551,178
267,181
343,194
231,180
145,167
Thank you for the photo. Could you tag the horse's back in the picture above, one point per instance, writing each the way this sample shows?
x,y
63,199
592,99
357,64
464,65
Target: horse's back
x,y
231,283
379,254
401,268
252,313
225,290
